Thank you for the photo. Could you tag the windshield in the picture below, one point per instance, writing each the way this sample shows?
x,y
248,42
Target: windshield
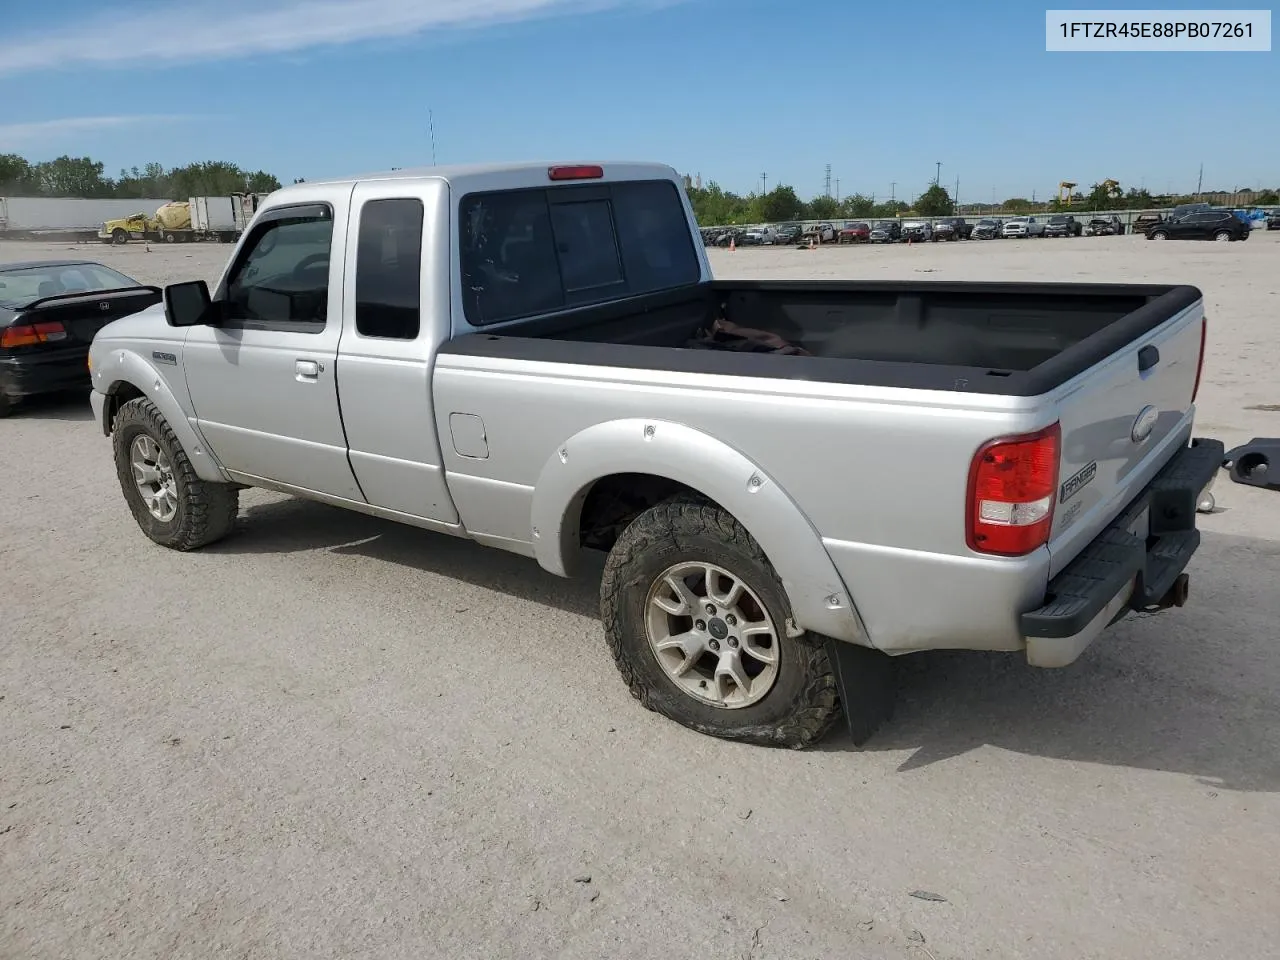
x,y
27,284
884,224
1057,219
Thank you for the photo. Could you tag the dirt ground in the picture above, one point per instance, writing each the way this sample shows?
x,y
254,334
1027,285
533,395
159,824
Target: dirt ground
x,y
332,736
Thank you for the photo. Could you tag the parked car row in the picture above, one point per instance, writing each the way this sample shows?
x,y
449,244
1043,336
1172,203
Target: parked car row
x,y
1199,221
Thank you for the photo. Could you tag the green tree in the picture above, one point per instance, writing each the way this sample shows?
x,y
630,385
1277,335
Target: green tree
x,y
151,181
1268,197
1138,199
16,176
857,206
822,208
72,177
1017,205
714,206
780,203
895,209
935,202
1104,196
262,182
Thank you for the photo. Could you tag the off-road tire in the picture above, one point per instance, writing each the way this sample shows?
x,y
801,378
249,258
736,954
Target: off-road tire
x,y
803,703
206,511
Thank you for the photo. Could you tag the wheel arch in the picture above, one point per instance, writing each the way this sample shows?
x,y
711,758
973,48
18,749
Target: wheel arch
x,y
123,376
673,453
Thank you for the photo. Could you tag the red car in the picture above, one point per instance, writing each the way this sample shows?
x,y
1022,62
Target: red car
x,y
855,233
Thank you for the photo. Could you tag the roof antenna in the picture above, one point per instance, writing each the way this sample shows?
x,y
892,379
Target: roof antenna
x,y
431,125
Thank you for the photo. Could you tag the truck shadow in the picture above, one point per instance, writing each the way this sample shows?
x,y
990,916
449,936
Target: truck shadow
x,y
1191,691
72,407
292,525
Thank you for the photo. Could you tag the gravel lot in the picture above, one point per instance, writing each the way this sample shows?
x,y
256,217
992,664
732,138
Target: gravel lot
x,y
332,736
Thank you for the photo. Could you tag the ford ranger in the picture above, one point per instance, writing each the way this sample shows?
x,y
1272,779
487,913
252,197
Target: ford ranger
x,y
791,482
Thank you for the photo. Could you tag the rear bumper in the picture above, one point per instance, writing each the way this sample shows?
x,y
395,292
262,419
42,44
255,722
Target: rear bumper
x,y
36,374
1131,565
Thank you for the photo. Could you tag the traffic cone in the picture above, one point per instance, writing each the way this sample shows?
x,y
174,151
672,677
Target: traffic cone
x,y
811,246
733,244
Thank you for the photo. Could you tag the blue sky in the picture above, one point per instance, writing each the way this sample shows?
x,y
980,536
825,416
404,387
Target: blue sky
x,y
725,88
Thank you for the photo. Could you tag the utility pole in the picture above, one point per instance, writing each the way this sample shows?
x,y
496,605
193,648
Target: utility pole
x,y
837,189
764,184
431,125
828,188
937,177
955,197
893,192
1200,182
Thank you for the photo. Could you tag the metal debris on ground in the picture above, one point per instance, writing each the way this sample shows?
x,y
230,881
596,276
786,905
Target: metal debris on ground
x,y
926,895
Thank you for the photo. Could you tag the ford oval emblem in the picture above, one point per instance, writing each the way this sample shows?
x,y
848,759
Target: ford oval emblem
x,y
1144,424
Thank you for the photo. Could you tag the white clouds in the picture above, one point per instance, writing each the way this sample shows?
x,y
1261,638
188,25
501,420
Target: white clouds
x,y
191,31
15,135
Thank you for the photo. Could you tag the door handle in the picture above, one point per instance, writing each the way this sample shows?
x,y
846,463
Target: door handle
x,y
306,371
1148,357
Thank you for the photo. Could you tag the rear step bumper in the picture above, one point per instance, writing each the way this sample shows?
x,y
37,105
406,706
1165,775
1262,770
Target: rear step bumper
x,y
1136,563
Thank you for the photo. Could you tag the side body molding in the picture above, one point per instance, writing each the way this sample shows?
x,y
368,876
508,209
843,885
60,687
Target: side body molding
x,y
819,600
121,365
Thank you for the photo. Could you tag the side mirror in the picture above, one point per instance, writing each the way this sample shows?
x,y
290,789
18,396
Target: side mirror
x,y
187,304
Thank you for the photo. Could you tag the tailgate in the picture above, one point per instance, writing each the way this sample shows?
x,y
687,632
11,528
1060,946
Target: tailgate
x,y
1121,423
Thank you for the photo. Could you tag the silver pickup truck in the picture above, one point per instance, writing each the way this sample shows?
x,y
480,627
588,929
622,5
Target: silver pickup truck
x,y
792,482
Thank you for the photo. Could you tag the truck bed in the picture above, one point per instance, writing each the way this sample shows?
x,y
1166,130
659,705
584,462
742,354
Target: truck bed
x,y
996,338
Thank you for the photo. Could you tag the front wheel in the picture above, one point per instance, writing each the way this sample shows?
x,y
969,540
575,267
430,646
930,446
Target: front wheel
x,y
697,621
119,236
170,503
1157,235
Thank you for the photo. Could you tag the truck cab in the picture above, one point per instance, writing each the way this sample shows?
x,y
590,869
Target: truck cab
x,y
137,227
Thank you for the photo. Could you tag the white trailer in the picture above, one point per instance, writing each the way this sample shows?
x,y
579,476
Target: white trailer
x,y
38,216
216,218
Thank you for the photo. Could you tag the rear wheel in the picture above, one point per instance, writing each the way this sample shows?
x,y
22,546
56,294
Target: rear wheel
x,y
1158,235
697,621
170,503
1222,236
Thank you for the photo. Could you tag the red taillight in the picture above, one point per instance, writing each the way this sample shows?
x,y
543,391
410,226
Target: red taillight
x,y
581,172
1204,336
1013,484
27,335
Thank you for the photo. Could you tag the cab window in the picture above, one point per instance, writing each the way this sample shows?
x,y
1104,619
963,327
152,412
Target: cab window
x,y
282,276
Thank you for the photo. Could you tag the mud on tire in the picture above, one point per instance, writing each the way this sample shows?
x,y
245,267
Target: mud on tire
x,y
205,511
802,703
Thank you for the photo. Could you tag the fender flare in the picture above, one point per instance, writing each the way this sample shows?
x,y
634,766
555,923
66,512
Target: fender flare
x,y
120,366
819,599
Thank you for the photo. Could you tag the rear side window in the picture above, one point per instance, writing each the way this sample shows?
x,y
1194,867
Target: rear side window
x,y
529,252
389,269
